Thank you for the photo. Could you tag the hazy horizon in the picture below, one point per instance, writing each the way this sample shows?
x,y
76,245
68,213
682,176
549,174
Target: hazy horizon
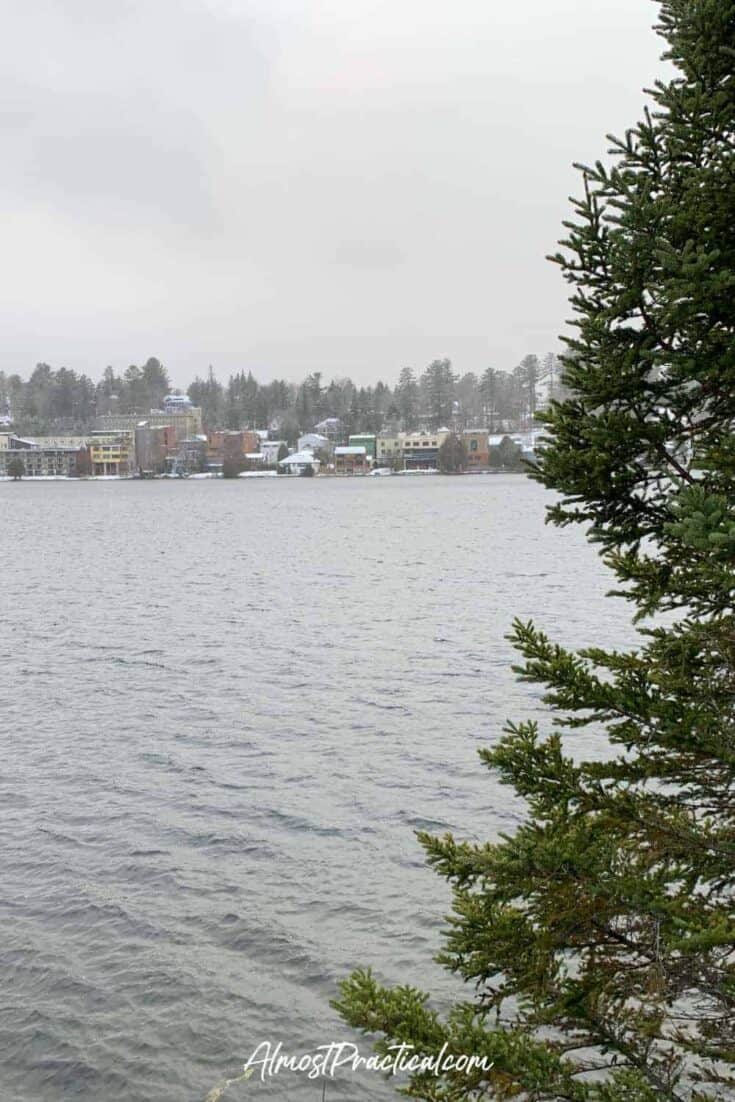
x,y
299,186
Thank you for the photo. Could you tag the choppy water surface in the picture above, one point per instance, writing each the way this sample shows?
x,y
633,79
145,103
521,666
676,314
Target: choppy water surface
x,y
226,709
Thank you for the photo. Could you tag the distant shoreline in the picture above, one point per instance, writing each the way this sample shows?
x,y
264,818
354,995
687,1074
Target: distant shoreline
x,y
209,477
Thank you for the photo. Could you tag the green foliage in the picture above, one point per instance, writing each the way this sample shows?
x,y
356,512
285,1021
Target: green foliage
x,y
407,396
283,453
16,468
232,466
452,455
64,403
438,385
208,394
308,471
506,455
599,939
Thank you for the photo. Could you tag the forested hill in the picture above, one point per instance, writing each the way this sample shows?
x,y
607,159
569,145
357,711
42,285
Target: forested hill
x,y
61,400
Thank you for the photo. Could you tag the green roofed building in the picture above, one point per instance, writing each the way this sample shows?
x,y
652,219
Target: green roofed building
x,y
365,441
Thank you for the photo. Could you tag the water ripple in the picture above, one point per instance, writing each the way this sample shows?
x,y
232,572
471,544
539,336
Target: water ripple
x,y
226,714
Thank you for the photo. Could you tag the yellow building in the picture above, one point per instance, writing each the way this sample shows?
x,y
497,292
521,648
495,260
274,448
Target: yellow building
x,y
186,422
388,448
421,449
112,453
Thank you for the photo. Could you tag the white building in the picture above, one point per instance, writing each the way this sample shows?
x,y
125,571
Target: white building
x,y
313,441
525,440
299,461
270,450
172,402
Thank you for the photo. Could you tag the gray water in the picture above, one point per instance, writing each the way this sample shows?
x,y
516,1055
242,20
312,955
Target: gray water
x,y
227,706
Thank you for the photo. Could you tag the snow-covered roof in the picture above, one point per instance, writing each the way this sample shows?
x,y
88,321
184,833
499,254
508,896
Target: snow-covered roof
x,y
300,457
524,439
351,449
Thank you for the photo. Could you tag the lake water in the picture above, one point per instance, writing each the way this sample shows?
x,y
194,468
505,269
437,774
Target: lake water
x,y
227,706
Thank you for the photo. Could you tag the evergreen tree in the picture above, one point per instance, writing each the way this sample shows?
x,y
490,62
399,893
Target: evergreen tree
x,y
438,384
600,937
489,393
110,383
313,386
208,394
156,382
134,393
468,396
16,468
550,376
304,409
508,455
530,373
452,455
381,401
518,397
232,466
283,453
407,397
39,394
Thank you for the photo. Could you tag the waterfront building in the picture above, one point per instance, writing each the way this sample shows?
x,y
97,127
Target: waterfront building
x,y
185,422
174,402
226,446
153,445
364,440
297,462
332,428
109,452
10,442
388,449
478,454
270,450
189,456
313,441
351,459
61,441
421,449
40,462
254,461
112,453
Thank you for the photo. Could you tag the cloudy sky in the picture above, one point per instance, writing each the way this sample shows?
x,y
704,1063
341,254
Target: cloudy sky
x,y
295,185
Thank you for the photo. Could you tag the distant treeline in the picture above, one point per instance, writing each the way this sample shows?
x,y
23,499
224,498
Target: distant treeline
x,y
59,401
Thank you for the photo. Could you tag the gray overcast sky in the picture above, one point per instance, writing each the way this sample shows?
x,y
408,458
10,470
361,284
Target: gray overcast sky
x,y
296,185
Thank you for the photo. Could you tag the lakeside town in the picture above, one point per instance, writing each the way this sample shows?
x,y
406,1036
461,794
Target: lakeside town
x,y
134,426
364,793
168,445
